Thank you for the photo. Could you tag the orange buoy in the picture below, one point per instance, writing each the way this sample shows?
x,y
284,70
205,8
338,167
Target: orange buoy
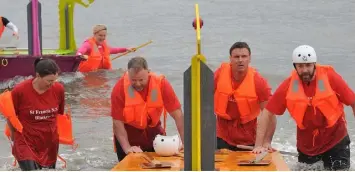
x,y
194,23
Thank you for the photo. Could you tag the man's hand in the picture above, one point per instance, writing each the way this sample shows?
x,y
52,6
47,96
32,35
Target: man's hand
x,y
259,149
133,149
181,146
268,147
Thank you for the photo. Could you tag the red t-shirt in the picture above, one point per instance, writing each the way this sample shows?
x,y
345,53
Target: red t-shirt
x,y
232,131
327,137
37,113
138,137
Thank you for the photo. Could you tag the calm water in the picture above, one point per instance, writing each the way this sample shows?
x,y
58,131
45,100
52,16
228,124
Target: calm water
x,y
273,29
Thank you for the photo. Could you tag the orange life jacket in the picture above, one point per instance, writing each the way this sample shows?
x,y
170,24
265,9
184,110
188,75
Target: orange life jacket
x,y
245,95
325,99
2,27
65,129
96,59
137,112
8,110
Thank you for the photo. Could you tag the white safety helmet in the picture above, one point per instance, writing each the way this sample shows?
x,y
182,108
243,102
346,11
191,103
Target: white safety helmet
x,y
304,54
167,145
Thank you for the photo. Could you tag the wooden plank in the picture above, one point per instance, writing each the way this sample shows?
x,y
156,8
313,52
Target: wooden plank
x,y
228,163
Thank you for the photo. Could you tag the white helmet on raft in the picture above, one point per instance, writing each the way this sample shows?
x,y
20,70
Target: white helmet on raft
x,y
167,145
304,54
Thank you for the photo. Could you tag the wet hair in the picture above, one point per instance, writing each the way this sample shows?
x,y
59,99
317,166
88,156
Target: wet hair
x,y
138,63
46,66
239,45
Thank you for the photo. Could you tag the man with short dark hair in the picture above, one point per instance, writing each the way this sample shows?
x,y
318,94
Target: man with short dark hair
x,y
4,22
240,95
138,100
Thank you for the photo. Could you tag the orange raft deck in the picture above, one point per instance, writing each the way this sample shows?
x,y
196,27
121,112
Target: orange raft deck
x,y
224,162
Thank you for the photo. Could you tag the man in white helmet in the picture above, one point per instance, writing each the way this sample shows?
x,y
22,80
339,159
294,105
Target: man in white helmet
x,y
314,96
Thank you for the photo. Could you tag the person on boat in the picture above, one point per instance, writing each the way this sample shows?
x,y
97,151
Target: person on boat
x,y
4,22
36,102
314,95
240,94
138,100
97,51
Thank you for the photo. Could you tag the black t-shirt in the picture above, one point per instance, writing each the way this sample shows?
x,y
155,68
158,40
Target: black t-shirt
x,y
5,21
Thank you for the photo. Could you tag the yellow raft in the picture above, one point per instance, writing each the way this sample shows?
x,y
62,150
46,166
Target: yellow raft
x,y
224,161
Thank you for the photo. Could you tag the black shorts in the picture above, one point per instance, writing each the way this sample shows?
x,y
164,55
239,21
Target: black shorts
x,y
121,154
337,158
30,165
221,144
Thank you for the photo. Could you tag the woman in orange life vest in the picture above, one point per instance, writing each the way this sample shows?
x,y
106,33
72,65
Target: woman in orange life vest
x,y
97,51
37,102
314,96
137,102
240,94
4,22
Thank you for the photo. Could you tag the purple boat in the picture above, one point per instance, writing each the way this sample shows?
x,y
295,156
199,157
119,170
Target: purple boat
x,y
20,61
23,65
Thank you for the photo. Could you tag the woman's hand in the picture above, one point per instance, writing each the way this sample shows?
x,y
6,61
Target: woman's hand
x,y
131,49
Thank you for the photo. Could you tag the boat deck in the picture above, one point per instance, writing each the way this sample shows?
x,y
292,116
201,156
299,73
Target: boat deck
x,y
24,51
225,162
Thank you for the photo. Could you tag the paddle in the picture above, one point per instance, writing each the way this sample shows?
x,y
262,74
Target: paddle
x,y
251,148
135,49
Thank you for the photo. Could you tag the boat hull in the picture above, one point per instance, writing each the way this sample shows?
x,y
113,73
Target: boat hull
x,y
23,65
